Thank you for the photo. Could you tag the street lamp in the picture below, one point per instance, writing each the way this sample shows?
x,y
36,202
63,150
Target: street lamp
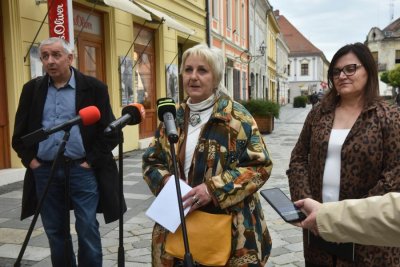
x,y
247,57
261,49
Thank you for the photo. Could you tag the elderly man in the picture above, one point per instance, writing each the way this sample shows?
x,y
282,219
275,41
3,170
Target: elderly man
x,y
87,160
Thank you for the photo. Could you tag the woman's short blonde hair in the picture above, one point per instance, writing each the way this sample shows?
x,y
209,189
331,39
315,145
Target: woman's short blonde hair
x,y
214,58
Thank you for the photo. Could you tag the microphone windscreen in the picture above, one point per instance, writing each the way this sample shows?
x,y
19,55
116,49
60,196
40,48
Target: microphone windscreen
x,y
142,111
136,111
89,115
165,105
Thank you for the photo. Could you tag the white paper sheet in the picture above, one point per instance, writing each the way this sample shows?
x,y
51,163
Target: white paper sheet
x,y
164,209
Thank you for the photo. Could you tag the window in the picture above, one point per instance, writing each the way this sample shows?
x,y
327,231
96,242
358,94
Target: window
x,y
375,56
242,25
236,84
397,59
215,4
244,96
304,69
228,14
237,17
288,69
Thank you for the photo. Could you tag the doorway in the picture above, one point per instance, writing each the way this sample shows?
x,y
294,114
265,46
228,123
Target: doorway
x,y
89,44
145,77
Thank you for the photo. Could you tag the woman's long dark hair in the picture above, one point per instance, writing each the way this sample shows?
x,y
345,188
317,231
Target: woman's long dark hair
x,y
362,52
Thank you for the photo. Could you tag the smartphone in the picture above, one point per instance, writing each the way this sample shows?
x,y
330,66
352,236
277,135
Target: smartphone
x,y
282,205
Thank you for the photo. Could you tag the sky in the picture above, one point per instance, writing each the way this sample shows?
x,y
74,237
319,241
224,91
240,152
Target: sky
x,y
331,24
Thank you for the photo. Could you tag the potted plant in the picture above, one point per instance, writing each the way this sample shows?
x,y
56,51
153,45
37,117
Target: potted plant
x,y
264,112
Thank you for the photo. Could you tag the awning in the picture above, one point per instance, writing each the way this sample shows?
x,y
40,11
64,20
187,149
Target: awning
x,y
168,20
128,6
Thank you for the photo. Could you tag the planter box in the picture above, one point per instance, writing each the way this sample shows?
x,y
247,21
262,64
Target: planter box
x,y
265,123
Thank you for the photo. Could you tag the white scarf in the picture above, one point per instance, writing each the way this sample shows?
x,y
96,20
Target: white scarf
x,y
200,113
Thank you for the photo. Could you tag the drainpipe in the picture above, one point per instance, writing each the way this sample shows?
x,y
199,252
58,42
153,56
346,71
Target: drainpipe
x,y
208,29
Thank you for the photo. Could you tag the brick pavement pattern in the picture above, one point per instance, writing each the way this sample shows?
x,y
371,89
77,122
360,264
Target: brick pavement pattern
x,y
287,245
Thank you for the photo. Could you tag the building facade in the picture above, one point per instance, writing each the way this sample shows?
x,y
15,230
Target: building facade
x,y
258,79
130,50
282,62
307,68
229,32
385,48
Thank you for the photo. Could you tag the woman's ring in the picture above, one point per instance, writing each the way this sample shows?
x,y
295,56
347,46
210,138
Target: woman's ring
x,y
197,202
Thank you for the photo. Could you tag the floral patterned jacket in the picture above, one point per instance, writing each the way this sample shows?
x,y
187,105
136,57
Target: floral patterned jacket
x,y
370,165
232,159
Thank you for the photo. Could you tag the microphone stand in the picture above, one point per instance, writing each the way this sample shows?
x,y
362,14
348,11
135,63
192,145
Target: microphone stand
x,y
187,259
67,247
121,251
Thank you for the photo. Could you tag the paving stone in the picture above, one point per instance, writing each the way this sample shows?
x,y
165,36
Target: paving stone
x,y
130,183
31,253
13,194
139,232
16,236
142,244
136,196
295,239
134,253
284,258
295,247
279,251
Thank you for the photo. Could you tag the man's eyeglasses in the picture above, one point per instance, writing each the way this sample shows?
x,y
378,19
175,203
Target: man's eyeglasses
x,y
348,70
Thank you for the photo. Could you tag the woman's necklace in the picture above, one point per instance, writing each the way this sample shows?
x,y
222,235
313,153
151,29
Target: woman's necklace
x,y
195,118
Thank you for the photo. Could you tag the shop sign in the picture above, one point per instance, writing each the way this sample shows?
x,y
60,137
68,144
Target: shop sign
x,y
86,22
60,12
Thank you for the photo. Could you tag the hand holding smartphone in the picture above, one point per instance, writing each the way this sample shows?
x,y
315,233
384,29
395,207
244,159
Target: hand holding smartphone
x,y
282,205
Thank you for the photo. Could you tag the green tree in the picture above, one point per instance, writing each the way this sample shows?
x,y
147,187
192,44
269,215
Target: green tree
x,y
385,77
394,76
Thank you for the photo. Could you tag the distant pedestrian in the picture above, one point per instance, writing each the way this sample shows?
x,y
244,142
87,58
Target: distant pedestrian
x,y
398,98
314,98
320,95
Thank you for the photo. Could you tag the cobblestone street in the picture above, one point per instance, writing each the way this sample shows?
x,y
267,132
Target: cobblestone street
x,y
287,239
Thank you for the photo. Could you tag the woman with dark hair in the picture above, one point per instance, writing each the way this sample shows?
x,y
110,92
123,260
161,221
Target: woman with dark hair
x,y
349,148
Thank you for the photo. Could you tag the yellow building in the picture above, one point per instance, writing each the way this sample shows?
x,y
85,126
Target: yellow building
x,y
128,45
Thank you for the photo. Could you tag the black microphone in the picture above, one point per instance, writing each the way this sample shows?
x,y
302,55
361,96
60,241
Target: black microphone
x,y
166,113
88,116
132,114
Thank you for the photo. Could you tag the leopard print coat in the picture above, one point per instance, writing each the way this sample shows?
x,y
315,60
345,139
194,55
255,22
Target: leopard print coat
x,y
370,165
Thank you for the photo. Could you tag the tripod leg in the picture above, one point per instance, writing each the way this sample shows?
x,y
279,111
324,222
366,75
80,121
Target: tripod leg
x,y
67,231
34,220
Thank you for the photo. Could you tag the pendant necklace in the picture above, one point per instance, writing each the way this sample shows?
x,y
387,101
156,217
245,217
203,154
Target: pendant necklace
x,y
195,117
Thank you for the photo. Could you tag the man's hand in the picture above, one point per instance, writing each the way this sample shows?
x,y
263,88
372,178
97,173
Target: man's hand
x,y
310,207
34,164
85,165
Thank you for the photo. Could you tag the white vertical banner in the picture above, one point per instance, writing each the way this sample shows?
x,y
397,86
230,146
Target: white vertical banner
x,y
71,24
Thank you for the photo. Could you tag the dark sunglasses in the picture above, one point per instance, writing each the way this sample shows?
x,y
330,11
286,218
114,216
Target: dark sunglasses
x,y
348,70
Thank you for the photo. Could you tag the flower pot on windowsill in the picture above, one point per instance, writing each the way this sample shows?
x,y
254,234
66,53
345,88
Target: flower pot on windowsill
x,y
264,112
